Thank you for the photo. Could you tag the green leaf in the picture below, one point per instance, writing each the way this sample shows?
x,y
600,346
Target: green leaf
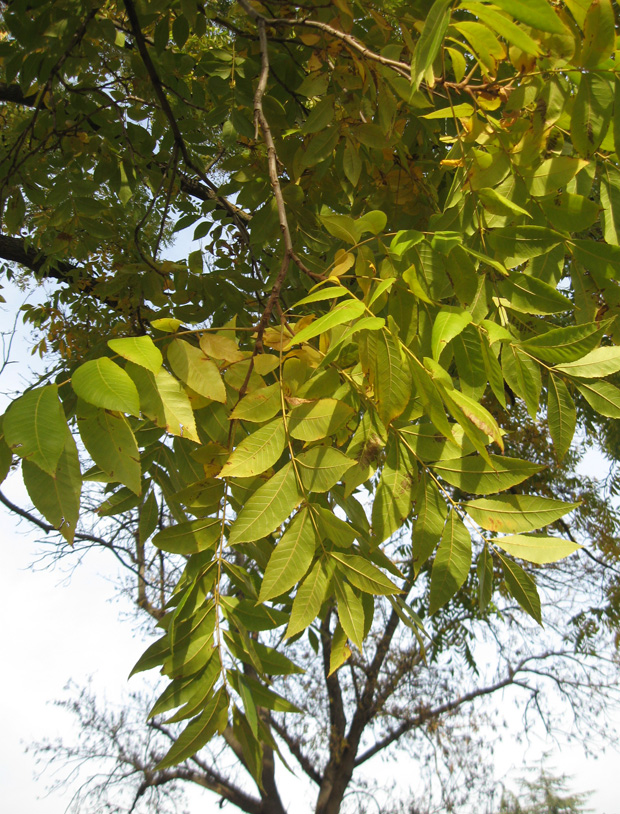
x,y
266,698
350,611
602,396
308,601
561,415
529,295
352,163
476,415
474,475
591,111
503,26
343,312
552,174
599,34
364,575
536,548
498,204
291,557
451,564
594,365
267,507
35,428
6,457
484,570
198,732
570,213
138,349
259,406
194,368
516,513
484,44
463,110
394,495
339,650
199,691
333,292
389,375
189,538
321,468
522,375
537,13
522,587
320,116
446,326
57,496
166,325
149,517
341,226
103,383
610,199
429,525
427,47
564,344
112,445
318,419
257,452
598,258
373,221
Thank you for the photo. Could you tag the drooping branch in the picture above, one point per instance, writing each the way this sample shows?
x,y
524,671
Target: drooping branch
x,y
401,68
431,713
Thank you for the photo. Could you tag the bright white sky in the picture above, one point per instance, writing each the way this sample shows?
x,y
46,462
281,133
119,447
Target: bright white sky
x,y
59,628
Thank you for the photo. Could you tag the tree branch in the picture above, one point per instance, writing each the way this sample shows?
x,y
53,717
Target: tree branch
x,y
49,529
160,92
294,748
428,714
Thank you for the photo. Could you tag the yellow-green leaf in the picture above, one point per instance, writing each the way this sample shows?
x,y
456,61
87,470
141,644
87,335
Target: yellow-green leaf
x,y
451,564
291,557
516,513
103,383
138,349
34,427
269,506
537,548
257,452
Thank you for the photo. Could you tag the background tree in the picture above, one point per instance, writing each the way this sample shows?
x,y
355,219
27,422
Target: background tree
x,y
546,794
411,275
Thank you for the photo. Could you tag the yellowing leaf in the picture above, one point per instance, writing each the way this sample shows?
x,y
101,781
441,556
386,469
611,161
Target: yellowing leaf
x,y
537,548
516,513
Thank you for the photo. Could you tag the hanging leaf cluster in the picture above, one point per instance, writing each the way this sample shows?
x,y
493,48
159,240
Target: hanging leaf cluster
x,y
411,213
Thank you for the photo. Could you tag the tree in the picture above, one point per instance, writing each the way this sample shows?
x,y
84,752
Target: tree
x,y
545,795
411,250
